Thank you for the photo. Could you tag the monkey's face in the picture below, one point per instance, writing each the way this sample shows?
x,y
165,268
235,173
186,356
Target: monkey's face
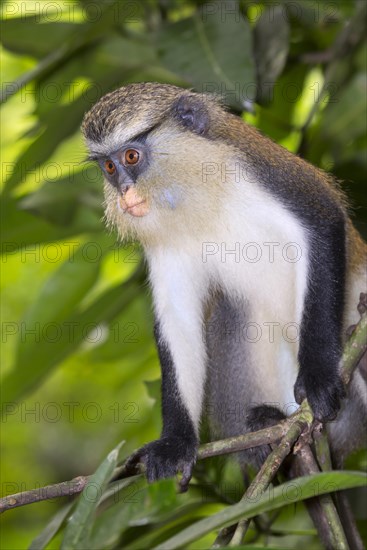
x,y
154,186
122,168
154,156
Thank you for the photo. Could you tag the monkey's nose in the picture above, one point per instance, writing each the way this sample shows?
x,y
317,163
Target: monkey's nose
x,y
124,187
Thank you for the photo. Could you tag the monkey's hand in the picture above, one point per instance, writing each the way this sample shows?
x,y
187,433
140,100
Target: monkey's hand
x,y
324,394
166,457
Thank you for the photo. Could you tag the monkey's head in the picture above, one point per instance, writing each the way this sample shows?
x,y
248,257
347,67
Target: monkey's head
x,y
158,153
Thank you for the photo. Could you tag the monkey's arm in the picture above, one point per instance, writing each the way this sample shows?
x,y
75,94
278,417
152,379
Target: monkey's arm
x,y
176,449
181,350
322,322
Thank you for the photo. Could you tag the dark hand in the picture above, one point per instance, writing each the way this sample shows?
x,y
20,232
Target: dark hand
x,y
166,457
323,394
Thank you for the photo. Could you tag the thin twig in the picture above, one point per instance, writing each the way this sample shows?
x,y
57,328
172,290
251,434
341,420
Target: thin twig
x,y
322,510
340,498
246,441
268,471
64,489
355,348
348,521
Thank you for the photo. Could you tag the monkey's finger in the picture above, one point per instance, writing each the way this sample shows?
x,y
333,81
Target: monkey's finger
x,y
137,458
186,477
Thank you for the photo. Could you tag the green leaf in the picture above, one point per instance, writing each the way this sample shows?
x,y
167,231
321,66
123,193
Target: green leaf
x,y
314,16
46,353
130,335
20,228
48,533
173,522
139,508
127,54
342,124
80,523
271,46
154,389
276,120
61,201
163,496
18,35
212,51
57,300
345,115
287,493
81,36
112,522
62,122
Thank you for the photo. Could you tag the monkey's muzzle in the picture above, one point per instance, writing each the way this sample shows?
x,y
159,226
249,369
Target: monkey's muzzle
x,y
133,203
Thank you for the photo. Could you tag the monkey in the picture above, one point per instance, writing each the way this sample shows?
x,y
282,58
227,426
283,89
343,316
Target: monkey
x,y
239,234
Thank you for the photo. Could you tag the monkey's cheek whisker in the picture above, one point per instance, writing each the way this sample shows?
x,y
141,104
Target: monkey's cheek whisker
x,y
122,205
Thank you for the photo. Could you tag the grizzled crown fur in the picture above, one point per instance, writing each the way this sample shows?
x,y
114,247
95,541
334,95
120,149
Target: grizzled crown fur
x,y
143,104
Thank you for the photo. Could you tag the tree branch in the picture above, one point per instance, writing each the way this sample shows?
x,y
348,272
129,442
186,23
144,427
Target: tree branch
x,y
354,349
64,489
322,510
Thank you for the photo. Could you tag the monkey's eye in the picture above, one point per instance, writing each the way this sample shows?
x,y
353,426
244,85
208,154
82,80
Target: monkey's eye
x,y
110,167
131,156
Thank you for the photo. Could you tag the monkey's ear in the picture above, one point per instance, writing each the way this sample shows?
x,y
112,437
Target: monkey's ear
x,y
192,112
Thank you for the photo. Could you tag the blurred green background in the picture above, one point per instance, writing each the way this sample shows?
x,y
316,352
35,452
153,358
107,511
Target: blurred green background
x,y
76,326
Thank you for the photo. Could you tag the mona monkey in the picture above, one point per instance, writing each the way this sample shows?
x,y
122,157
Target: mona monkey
x,y
196,185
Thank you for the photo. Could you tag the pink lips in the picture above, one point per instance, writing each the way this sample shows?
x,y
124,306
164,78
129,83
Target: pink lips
x,y
133,203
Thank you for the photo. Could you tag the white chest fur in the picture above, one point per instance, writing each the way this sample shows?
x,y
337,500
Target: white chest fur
x,y
257,252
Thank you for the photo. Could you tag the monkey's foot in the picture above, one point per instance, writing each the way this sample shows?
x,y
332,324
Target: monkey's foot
x,y
166,457
324,394
258,418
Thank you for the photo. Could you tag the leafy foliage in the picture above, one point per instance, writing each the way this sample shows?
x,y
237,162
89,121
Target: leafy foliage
x,y
77,326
